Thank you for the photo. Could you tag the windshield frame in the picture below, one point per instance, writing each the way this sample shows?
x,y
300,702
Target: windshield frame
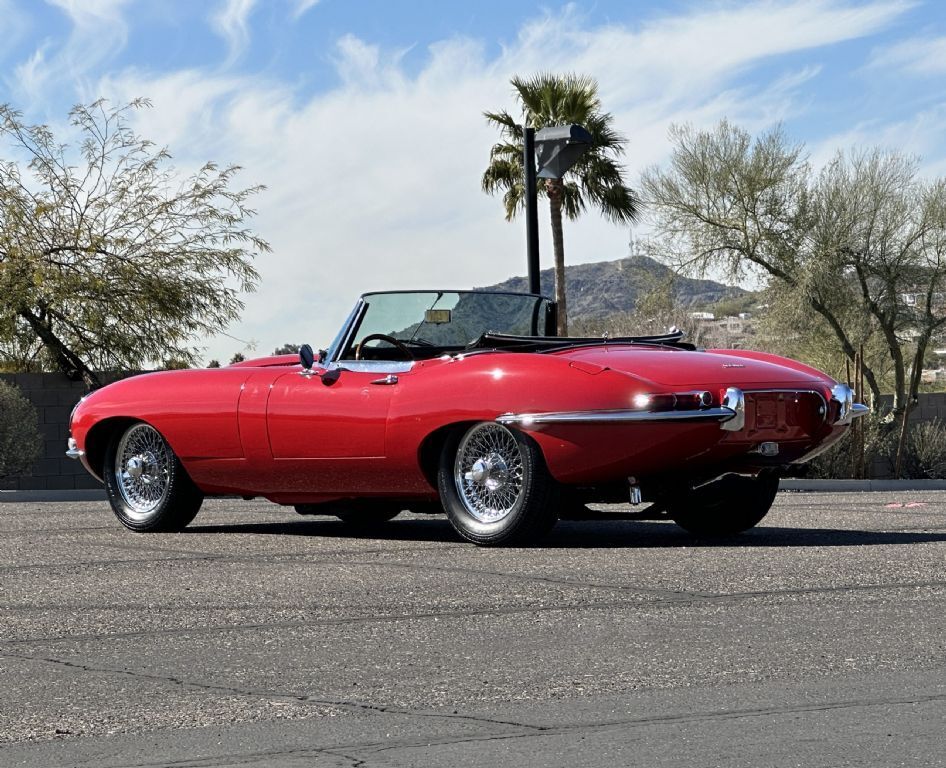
x,y
343,340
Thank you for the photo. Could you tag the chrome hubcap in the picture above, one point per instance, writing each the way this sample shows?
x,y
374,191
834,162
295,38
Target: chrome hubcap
x,y
142,470
491,472
488,472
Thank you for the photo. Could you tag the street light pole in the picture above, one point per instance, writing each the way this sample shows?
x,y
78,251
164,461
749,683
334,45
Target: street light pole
x,y
559,147
532,213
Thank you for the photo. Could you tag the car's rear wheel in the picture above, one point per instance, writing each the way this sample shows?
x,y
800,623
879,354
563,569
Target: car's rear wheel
x,y
147,486
495,487
726,506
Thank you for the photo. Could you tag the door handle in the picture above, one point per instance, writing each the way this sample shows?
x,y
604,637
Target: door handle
x,y
389,379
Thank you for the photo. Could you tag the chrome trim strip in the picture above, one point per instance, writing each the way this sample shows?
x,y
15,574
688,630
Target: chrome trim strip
x,y
376,366
614,417
732,417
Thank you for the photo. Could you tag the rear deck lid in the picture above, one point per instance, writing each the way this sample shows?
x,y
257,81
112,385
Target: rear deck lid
x,y
683,368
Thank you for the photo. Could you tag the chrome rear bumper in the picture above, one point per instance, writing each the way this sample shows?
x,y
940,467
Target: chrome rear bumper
x,y
848,410
73,451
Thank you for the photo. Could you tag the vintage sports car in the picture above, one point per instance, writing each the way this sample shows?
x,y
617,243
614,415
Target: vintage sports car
x,y
464,402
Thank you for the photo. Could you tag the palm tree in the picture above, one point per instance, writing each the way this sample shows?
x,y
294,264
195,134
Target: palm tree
x,y
597,177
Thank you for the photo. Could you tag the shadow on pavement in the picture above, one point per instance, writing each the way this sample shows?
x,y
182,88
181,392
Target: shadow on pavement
x,y
590,534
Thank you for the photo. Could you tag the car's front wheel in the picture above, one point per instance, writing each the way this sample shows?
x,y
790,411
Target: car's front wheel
x,y
495,487
729,505
147,486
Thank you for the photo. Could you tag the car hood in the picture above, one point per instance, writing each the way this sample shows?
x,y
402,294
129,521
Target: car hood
x,y
684,368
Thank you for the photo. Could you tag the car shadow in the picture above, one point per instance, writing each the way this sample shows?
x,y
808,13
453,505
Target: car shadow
x,y
433,529
614,533
660,534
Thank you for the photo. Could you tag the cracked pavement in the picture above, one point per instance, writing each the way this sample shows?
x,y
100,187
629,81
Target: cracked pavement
x,y
260,638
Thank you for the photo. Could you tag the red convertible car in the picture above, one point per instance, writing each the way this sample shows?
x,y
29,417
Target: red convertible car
x,y
464,402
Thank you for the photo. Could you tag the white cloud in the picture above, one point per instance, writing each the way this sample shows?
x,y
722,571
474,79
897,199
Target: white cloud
x,y
98,33
376,182
231,21
916,56
300,7
357,62
919,134
90,13
31,74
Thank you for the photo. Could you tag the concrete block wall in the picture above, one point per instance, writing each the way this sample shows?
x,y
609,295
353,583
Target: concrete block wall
x,y
53,396
931,406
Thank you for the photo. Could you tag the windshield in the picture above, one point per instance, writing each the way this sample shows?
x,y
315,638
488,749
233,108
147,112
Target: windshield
x,y
447,319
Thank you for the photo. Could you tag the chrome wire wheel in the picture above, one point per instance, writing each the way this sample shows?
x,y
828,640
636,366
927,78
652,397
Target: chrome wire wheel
x,y
488,472
143,465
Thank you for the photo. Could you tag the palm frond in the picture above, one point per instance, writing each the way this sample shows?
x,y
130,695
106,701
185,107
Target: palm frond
x,y
501,174
573,201
548,99
506,123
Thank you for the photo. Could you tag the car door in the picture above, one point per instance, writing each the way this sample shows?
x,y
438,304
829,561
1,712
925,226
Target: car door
x,y
327,430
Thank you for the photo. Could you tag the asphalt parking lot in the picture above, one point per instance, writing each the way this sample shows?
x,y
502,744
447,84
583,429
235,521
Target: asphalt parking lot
x,y
260,638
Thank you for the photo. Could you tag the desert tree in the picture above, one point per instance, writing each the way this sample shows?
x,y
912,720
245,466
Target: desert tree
x,y
861,243
110,257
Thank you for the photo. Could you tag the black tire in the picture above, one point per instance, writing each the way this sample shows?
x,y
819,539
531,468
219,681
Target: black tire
x,y
147,486
495,487
726,506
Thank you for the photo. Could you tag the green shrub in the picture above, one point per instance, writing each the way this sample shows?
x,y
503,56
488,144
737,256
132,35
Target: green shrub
x,y
20,441
925,454
880,441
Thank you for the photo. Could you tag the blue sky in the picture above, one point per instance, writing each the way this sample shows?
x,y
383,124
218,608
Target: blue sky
x,y
364,117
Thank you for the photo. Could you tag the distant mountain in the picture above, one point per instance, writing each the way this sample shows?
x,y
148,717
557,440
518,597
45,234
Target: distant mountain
x,y
608,287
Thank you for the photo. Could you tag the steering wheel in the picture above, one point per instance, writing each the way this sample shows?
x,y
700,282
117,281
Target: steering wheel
x,y
382,337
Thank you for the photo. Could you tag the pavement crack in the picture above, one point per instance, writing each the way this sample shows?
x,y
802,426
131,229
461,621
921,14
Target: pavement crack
x,y
665,593
673,598
344,704
670,719
191,556
350,751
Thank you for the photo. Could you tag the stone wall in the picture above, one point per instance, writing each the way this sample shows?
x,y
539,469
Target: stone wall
x,y
53,396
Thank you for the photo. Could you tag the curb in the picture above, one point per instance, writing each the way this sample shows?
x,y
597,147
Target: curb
x,y
861,486
75,494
